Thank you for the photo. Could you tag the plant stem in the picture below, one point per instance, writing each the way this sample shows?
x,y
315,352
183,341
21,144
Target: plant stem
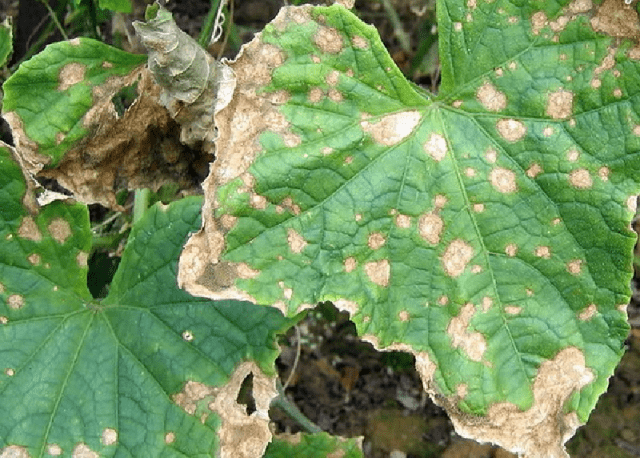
x,y
54,18
282,403
140,203
403,37
209,22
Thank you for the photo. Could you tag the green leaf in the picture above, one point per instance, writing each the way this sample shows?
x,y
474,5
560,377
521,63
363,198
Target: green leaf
x,y
485,230
136,374
48,100
121,6
6,41
313,446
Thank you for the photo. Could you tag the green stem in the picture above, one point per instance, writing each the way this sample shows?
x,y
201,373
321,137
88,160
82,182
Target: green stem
x,y
140,203
282,403
54,18
403,37
207,28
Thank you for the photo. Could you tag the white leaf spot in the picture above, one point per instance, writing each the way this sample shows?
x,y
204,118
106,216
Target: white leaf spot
x,y
580,178
378,272
436,147
504,180
456,257
511,130
392,129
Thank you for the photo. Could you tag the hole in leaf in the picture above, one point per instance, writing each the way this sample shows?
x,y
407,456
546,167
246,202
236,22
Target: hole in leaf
x,y
102,268
245,394
124,98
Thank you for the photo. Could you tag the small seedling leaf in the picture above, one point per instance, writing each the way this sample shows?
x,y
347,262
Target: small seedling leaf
x,y
485,230
148,371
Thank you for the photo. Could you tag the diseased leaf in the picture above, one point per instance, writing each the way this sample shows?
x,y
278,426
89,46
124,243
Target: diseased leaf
x,y
485,230
61,108
48,100
195,86
313,446
148,371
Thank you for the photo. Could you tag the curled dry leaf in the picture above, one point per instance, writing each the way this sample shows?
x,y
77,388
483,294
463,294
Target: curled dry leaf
x,y
195,85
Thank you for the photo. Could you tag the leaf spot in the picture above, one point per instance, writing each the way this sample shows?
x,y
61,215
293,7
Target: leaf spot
x,y
580,178
487,302
491,156
430,227
29,230
538,22
461,390
548,131
335,95
258,202
456,257
617,92
296,242
478,208
470,172
245,272
169,437
456,103
3,319
358,217
82,450
289,205
534,170
14,451
457,26
511,129
632,204
603,173
109,436
574,267
504,180
315,95
376,240
9,372
332,78
443,300
187,336
511,250
54,450
588,312
403,221
392,129
359,42
472,343
378,272
70,74
15,301
328,40
403,315
491,98
476,269
560,104
82,258
59,230
350,264
542,252
573,155
513,309
34,259
436,147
